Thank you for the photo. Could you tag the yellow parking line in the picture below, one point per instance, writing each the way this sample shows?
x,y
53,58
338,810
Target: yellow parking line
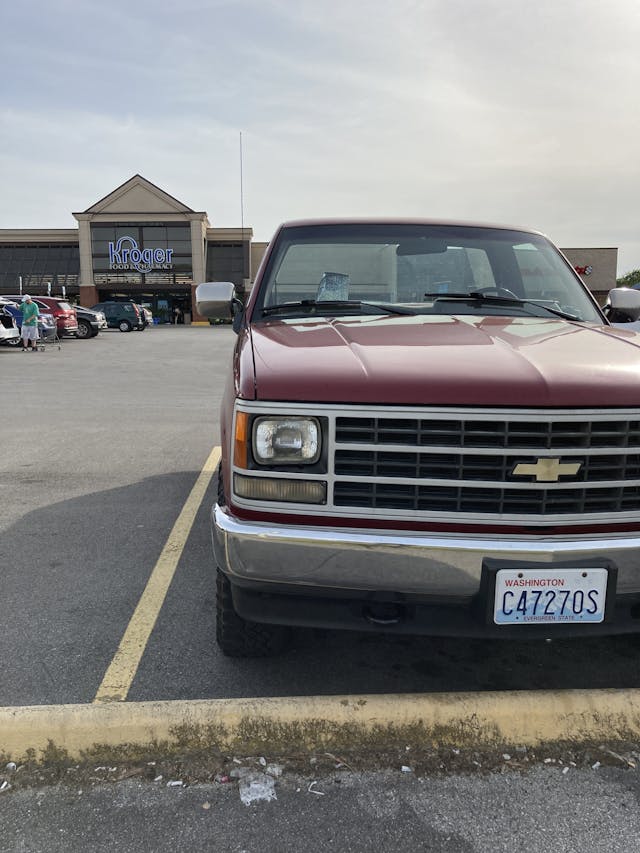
x,y
122,669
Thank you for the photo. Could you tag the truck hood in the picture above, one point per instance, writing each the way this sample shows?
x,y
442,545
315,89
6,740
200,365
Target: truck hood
x,y
446,360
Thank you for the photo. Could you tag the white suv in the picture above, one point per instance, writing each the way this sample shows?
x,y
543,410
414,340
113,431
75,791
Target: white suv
x,y
9,332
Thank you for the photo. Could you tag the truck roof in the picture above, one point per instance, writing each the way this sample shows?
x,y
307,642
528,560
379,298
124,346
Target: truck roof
x,y
364,220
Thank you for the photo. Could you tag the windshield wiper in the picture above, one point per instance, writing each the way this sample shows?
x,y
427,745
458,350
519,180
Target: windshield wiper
x,y
332,305
478,296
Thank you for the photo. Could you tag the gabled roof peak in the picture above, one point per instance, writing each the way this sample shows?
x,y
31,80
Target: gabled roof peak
x,y
138,195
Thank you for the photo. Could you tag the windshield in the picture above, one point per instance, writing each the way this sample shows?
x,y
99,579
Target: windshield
x,y
335,269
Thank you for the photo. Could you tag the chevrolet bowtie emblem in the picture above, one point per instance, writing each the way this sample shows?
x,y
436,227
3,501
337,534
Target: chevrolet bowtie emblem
x,y
546,470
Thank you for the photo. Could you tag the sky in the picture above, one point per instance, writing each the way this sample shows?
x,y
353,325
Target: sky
x,y
523,113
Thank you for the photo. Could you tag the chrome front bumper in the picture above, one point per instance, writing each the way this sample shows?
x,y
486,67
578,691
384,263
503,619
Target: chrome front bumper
x,y
411,563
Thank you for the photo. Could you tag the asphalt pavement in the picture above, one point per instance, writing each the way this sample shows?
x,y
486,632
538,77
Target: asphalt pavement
x,y
543,810
101,444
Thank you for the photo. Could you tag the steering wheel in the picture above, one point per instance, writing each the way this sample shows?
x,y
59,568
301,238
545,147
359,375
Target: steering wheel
x,y
497,291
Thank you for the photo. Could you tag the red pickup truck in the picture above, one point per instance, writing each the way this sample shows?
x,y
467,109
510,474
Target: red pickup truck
x,y
428,428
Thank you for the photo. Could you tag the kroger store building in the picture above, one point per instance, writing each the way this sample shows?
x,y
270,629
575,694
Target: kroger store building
x,y
137,243
142,244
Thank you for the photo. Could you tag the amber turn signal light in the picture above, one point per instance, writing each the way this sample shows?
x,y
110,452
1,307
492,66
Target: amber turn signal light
x,y
240,442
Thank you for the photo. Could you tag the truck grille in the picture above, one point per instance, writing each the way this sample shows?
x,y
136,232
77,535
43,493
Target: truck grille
x,y
508,434
459,465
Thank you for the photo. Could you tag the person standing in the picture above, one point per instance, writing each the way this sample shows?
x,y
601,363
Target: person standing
x,y
30,314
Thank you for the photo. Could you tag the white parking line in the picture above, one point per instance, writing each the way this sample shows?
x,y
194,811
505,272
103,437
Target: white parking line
x,y
122,669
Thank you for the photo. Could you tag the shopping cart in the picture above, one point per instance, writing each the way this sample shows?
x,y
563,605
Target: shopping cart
x,y
47,332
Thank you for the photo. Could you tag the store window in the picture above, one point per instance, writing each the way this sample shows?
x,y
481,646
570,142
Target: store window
x,y
39,264
152,254
228,262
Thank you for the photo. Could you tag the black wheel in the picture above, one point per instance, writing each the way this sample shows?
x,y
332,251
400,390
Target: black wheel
x,y
84,329
124,326
239,638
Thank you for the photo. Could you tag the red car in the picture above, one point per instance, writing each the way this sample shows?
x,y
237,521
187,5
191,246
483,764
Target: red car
x,y
64,313
427,428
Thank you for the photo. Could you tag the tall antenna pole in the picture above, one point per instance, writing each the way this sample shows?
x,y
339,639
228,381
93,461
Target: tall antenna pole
x,y
241,191
244,269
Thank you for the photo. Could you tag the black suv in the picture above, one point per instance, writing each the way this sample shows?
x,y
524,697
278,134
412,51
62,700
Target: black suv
x,y
121,315
89,322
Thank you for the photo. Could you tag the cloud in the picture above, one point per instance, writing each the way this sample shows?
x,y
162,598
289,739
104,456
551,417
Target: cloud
x,y
477,110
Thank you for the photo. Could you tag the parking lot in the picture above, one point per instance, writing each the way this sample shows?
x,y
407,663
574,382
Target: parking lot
x,y
102,443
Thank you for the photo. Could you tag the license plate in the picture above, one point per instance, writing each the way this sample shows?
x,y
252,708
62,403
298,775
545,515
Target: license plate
x,y
530,596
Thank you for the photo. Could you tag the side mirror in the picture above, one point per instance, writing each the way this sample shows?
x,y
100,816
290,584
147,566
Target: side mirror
x,y
623,302
214,299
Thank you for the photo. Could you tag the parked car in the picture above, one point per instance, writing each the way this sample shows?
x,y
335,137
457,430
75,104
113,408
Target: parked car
x,y
46,322
64,313
125,316
427,428
9,333
89,322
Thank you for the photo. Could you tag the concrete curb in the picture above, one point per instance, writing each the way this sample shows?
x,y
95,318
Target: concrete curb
x,y
245,726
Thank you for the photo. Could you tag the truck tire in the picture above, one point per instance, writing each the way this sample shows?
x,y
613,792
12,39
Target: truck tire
x,y
238,638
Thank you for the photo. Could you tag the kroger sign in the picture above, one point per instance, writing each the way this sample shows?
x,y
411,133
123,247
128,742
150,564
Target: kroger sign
x,y
125,254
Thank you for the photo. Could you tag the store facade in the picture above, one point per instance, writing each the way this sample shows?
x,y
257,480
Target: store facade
x,y
139,243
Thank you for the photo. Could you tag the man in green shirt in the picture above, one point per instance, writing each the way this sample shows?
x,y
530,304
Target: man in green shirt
x,y
30,314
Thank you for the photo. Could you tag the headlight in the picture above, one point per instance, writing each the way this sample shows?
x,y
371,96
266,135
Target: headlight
x,y
286,441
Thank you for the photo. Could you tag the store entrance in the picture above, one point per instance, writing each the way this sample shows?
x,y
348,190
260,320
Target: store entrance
x,y
172,308
180,310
